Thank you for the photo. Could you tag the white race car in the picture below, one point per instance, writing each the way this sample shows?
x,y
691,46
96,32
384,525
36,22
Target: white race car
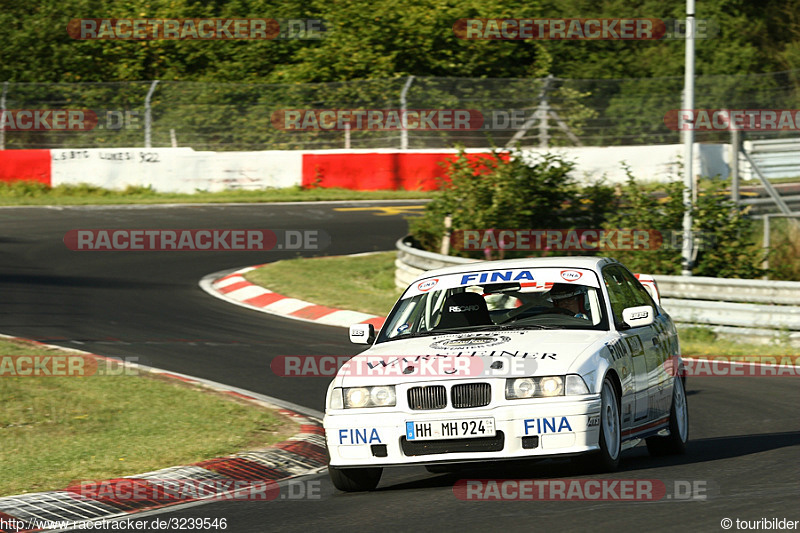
x,y
516,359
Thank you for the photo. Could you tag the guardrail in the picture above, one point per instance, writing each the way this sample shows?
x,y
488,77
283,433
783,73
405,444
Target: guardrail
x,y
758,309
776,158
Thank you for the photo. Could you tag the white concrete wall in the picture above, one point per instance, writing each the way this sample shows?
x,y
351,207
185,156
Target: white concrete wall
x,y
647,163
176,169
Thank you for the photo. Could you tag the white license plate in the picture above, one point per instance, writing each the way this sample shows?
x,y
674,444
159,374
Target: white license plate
x,y
450,429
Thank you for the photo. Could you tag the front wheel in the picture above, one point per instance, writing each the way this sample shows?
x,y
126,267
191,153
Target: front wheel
x,y
355,479
675,443
610,433
607,459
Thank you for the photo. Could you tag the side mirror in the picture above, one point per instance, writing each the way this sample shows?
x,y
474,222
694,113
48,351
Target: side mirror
x,y
362,333
637,317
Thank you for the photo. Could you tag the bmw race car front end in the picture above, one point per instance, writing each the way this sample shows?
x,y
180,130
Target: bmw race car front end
x,y
455,421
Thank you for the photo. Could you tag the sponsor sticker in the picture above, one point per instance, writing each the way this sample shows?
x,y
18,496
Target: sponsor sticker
x,y
470,341
425,286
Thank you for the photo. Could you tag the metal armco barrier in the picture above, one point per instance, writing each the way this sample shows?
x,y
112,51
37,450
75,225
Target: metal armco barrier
x,y
753,308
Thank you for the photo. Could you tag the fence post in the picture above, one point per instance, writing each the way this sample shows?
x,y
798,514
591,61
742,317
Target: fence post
x,y
2,111
735,142
689,189
148,118
544,114
404,118
766,245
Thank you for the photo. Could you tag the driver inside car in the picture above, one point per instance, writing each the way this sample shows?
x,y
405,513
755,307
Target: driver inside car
x,y
571,298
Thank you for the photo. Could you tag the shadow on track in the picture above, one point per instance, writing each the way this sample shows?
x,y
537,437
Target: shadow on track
x,y
699,451
80,281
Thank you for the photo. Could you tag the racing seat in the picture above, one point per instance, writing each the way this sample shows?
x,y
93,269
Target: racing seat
x,y
464,309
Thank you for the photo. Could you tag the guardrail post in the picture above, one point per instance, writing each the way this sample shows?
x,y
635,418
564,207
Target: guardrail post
x,y
448,225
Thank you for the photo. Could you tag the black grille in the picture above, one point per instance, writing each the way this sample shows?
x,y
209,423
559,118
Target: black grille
x,y
433,397
471,395
433,447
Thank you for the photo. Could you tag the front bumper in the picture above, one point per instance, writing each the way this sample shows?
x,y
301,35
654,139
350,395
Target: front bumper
x,y
524,429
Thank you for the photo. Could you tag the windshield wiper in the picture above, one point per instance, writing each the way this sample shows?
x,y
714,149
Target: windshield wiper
x,y
527,326
473,329
514,326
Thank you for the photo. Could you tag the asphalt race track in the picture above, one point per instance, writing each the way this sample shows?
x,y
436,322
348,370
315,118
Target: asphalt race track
x,y
744,449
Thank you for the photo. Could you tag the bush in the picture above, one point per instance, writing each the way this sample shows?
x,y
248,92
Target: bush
x,y
725,248
23,189
784,249
731,253
641,209
509,193
539,193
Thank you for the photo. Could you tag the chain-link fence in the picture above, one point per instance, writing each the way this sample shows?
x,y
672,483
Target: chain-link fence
x,y
549,111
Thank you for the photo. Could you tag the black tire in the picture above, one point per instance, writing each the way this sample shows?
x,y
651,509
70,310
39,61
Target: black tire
x,y
675,443
607,459
355,479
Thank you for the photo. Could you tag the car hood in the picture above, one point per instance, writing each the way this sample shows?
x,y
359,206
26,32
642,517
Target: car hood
x,y
472,355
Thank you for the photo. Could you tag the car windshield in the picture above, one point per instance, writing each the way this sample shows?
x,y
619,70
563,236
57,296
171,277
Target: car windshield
x,y
496,300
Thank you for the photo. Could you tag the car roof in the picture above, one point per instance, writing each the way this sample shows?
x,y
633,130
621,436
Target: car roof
x,y
587,262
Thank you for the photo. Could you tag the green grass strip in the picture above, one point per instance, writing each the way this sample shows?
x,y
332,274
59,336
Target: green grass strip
x,y
35,193
56,430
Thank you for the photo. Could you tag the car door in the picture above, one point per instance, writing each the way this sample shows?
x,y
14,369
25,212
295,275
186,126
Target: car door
x,y
642,342
657,352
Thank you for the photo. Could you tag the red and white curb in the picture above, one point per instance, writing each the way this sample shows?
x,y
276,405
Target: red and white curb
x,y
234,288
303,453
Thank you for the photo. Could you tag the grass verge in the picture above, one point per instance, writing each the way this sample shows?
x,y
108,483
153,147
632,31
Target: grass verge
x,y
362,283
366,284
56,430
35,193
697,341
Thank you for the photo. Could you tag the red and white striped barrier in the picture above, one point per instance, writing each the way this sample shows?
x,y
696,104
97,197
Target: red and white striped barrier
x,y
184,170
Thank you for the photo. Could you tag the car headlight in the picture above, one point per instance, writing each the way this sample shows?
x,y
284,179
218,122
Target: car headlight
x,y
545,387
380,396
